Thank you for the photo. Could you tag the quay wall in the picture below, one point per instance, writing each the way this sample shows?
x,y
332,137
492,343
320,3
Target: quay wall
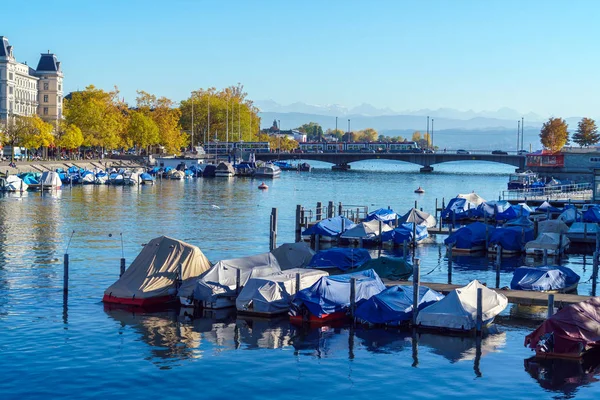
x,y
41,166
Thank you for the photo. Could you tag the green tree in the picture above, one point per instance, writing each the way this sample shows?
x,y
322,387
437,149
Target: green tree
x,y
587,133
142,130
100,116
313,131
166,118
15,132
554,134
225,115
70,137
36,133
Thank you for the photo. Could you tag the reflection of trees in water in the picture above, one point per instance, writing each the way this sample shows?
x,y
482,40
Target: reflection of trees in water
x,y
563,375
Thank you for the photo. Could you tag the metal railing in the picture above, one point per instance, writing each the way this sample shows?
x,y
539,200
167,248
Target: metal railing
x,y
581,191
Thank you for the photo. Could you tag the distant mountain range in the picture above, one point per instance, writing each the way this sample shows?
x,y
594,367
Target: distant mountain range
x,y
367,110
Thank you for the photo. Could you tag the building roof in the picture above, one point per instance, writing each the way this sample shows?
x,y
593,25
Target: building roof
x,y
4,47
48,63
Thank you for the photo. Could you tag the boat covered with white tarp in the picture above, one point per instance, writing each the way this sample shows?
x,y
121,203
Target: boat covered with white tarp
x,y
273,294
219,286
152,278
458,310
554,243
293,255
12,183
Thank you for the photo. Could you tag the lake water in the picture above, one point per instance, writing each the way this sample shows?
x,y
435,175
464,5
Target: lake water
x,y
81,349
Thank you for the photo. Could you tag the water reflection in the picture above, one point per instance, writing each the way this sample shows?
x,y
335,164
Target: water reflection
x,y
562,375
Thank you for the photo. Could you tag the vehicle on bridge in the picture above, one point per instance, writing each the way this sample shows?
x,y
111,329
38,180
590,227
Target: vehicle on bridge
x,y
359,147
461,151
500,152
229,147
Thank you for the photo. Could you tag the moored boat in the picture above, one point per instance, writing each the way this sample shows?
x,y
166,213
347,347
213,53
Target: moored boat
x,y
550,279
12,183
224,169
268,170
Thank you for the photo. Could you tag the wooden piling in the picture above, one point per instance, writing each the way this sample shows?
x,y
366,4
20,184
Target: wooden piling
x,y
330,209
498,264
594,273
380,234
450,263
122,267
340,209
352,297
550,305
238,280
479,321
66,273
319,211
297,282
317,242
545,257
416,279
404,249
274,215
298,229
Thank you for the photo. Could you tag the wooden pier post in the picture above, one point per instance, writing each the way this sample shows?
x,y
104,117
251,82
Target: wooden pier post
x,y
274,216
352,297
436,210
271,232
298,229
66,273
487,234
122,267
297,282
550,305
453,220
479,321
498,264
340,209
416,279
317,243
319,211
357,215
404,249
380,234
414,238
450,264
238,280
594,273
545,258
330,209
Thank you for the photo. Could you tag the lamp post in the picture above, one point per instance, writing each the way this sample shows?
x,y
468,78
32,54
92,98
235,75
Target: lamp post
x,y
192,121
227,121
348,128
518,133
432,147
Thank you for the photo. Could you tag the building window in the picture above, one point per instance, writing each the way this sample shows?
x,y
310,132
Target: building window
x,y
45,98
45,85
45,110
10,90
10,76
59,87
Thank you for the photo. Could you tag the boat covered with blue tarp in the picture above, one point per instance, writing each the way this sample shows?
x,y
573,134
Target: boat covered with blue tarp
x,y
394,305
330,227
521,221
458,208
545,279
492,209
404,233
511,238
382,214
341,258
592,214
470,237
547,207
329,297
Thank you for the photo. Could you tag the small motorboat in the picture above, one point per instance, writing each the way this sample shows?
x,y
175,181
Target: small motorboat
x,y
147,179
419,190
268,170
549,279
262,186
12,183
572,332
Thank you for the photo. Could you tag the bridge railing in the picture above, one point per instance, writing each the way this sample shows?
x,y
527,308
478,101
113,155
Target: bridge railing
x,y
582,191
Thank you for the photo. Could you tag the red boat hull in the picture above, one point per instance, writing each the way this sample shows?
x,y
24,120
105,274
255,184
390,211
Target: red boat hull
x,y
324,319
147,302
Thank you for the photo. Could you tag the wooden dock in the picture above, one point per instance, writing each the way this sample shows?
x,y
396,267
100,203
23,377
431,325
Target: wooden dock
x,y
514,296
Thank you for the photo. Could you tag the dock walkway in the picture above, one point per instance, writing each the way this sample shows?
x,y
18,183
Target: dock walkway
x,y
514,296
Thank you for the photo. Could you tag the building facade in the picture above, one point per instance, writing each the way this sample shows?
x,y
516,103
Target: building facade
x,y
26,91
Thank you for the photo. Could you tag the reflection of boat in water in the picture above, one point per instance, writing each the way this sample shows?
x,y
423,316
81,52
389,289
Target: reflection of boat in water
x,y
561,375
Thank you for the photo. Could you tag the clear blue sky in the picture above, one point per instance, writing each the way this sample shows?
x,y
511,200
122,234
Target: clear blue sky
x,y
536,55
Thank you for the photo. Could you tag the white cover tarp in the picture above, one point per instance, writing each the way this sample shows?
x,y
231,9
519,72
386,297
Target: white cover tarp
x,y
552,226
549,241
366,230
419,217
472,198
293,255
50,179
579,228
221,279
154,271
458,310
13,183
273,293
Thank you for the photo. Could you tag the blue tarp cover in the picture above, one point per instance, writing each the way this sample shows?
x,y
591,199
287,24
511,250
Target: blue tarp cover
x,y
146,177
470,236
404,232
331,294
592,214
510,237
395,305
330,227
492,209
543,278
460,207
342,258
382,214
545,207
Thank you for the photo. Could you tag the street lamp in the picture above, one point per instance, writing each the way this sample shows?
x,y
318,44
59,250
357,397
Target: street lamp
x,y
192,97
348,127
432,147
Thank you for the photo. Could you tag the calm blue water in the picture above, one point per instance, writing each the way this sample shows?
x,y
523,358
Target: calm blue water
x,y
80,349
